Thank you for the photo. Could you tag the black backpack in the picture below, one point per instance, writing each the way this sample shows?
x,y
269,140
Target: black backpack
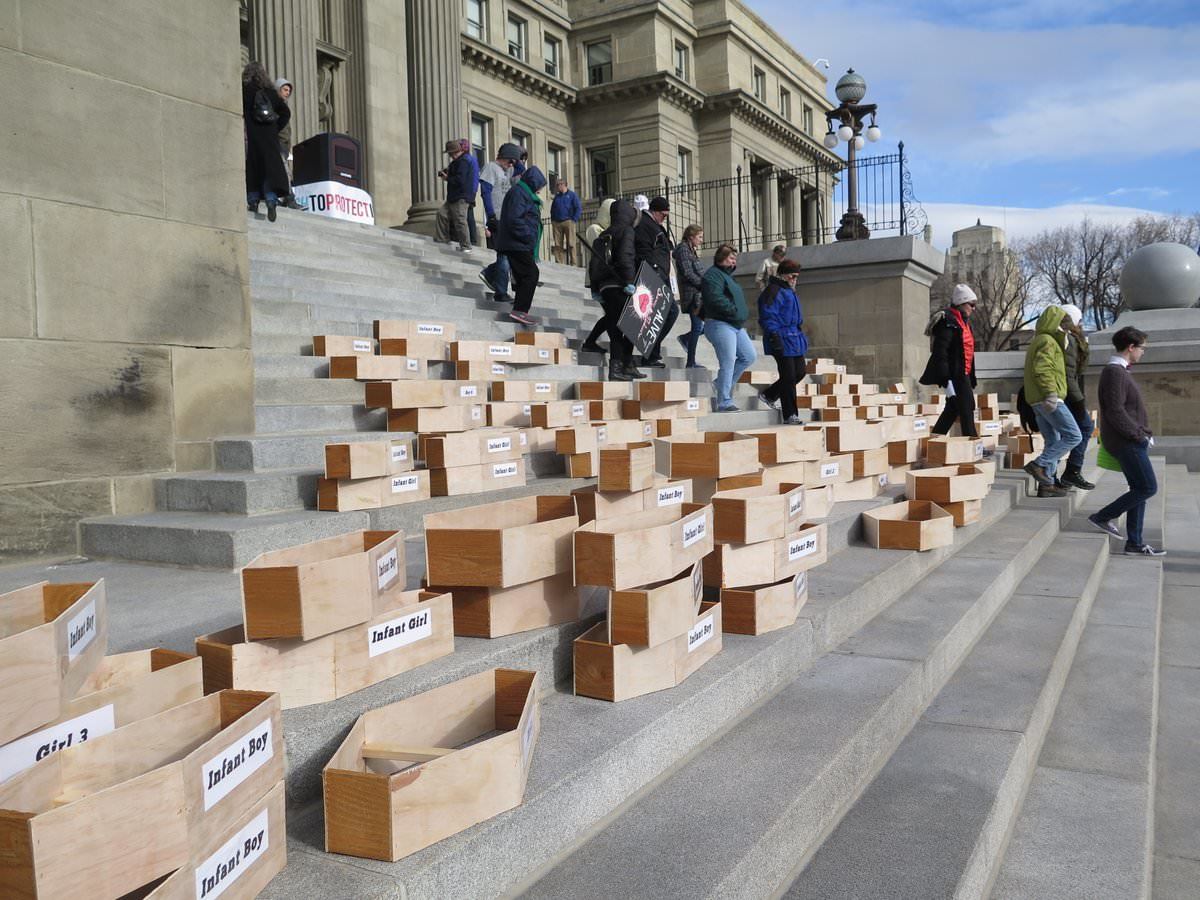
x,y
1025,411
600,267
263,110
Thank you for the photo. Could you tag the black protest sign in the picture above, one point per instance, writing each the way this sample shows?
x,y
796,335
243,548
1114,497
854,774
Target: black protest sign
x,y
645,313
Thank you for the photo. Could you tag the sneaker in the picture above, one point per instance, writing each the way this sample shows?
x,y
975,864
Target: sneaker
x,y
653,363
1062,485
1039,474
1143,550
988,453
487,281
1076,479
774,404
465,248
793,420
522,318
502,298
1106,526
253,207
1050,490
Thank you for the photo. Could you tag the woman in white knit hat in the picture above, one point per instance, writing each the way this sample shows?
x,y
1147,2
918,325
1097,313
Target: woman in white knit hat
x,y
1076,354
951,363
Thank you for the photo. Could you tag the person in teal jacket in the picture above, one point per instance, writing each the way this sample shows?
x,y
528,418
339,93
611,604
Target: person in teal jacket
x,y
725,313
1046,392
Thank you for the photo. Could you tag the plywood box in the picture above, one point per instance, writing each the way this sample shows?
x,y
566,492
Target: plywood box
x,y
342,345
377,368
947,484
645,409
758,610
964,512
477,479
580,438
509,415
701,643
342,495
642,548
552,340
662,391
870,462
473,447
628,431
830,470
466,370
787,443
583,465
604,390
904,452
866,488
606,410
949,451
711,454
594,504
52,637
403,779
435,419
558,413
822,366
159,786
753,514
837,378
845,437
323,586
988,401
524,391
500,544
738,565
482,351
658,613
826,388
704,489
626,467
881,399
566,357
908,525
537,440
414,394
1024,443
758,378
675,427
413,328
429,348
865,412
484,612
818,501
368,459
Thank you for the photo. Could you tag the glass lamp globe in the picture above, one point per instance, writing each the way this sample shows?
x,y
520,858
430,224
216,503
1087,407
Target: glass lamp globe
x,y
845,133
874,134
830,141
858,142
850,87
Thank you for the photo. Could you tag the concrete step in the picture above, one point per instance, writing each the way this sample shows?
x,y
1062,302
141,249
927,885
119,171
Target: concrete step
x,y
734,820
283,417
267,452
242,493
934,820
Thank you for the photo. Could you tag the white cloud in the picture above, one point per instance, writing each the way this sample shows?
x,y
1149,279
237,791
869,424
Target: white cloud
x,y
1018,222
1148,191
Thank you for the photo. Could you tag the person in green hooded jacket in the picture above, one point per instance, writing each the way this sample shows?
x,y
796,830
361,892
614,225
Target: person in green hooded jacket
x,y
1046,391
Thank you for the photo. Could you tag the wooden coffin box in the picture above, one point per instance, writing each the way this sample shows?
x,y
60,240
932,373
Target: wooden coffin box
x,y
829,470
739,565
127,808
903,453
342,345
399,783
626,467
509,415
712,454
846,436
757,610
642,548
818,500
753,514
52,637
964,512
552,340
870,462
341,495
500,544
558,413
662,391
485,612
658,613
704,489
421,347
121,690
480,371
951,451
628,431
604,390
377,368
321,587
523,391
482,351
583,465
908,525
591,503
422,394
866,488
758,377
647,409
669,427
415,628
412,328
478,479
580,438
701,643
947,484
823,366
472,448
605,410
423,420
1024,443
787,443
368,459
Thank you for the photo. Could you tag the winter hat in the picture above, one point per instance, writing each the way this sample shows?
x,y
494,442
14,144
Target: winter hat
x,y
787,267
453,146
660,204
280,82
1074,313
962,294
509,151
641,203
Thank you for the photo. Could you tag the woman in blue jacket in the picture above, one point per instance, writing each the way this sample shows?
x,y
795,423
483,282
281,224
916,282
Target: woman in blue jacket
x,y
780,319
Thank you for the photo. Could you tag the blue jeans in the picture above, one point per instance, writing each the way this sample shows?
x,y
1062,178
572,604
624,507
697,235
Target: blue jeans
x,y
735,352
498,273
253,197
1086,426
1061,434
1135,466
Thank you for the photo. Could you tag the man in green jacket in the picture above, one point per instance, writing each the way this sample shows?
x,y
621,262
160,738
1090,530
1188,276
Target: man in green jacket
x,y
1046,392
725,313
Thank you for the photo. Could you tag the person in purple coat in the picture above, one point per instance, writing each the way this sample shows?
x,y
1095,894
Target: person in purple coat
x,y
780,319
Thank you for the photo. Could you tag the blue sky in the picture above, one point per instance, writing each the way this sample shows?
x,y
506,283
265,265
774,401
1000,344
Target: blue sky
x,y
1026,114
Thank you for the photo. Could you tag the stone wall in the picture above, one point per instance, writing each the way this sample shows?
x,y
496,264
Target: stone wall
x,y
124,322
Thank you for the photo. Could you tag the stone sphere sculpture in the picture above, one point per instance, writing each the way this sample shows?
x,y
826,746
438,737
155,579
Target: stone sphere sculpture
x,y
1161,276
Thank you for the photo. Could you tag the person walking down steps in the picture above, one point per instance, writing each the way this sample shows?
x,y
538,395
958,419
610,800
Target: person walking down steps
x,y
591,236
690,272
519,239
612,273
1076,354
951,363
495,181
724,315
779,318
1125,433
461,184
1046,392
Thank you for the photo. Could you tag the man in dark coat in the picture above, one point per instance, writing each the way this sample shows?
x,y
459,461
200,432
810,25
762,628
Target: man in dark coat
x,y
612,272
519,238
265,113
462,181
951,363
653,245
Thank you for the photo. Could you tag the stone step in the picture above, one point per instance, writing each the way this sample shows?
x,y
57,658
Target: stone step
x,y
243,493
266,452
279,417
934,820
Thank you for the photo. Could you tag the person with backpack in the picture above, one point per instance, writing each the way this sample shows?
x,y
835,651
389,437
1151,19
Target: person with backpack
x,y
779,318
1076,354
613,274
951,363
265,114
653,246
1046,391
519,239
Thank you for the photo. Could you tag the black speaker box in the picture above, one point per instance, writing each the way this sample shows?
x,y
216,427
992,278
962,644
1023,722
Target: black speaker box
x,y
328,157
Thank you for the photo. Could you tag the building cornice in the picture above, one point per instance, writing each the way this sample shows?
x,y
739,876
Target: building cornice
x,y
750,111
661,85
519,75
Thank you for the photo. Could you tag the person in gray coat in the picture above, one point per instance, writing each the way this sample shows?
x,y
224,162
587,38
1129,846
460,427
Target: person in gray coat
x,y
690,273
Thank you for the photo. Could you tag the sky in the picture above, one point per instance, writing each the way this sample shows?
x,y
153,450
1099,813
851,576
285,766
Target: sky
x,y
1024,114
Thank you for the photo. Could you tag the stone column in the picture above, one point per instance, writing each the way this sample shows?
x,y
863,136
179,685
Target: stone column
x,y
795,200
284,35
770,211
435,101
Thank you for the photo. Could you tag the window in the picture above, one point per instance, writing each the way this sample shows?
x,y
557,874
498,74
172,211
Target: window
x,y
683,166
681,61
520,138
477,19
604,171
517,29
599,62
480,130
808,120
552,53
555,164
785,103
760,84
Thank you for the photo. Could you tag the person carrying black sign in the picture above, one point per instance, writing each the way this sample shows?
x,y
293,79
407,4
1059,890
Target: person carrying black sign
x,y
612,272
653,246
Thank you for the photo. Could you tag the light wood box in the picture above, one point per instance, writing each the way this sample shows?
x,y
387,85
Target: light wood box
x,y
473,447
845,437
865,488
595,504
580,438
377,368
988,401
965,512
509,415
662,391
604,390
628,431
642,548
126,808
836,377
758,610
669,427
399,783
558,413
421,394
583,465
645,409
626,467
342,345
869,412
480,371
870,462
658,613
566,357
431,419
368,459
826,388
704,489
428,348
536,440
483,612
548,356
553,340
818,500
822,366
477,479
605,410
882,399
841,414
946,484
908,525
901,453
484,351
739,565
416,627
341,495
753,514
895,428
501,544
987,414
323,586
787,443
758,377
701,643
830,470
1024,443
711,454
523,391
413,328
949,451
52,637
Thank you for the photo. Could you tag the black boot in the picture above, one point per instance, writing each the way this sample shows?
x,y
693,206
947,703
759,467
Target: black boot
x,y
633,371
1074,477
616,372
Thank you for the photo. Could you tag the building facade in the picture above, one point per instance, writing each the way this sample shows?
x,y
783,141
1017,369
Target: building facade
x,y
979,256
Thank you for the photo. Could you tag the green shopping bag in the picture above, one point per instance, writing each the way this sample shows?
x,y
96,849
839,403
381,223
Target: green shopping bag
x,y
1106,460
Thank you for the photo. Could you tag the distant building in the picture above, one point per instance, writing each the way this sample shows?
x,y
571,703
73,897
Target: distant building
x,y
980,257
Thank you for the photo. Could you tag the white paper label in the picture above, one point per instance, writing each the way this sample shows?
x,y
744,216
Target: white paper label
x,y
362,346
500,350
799,585
701,634
830,470
542,387
795,505
524,439
526,740
24,752
476,413
399,632
412,365
543,354
399,452
499,445
979,451
527,409
468,390
387,567
805,545
991,426
233,765
693,404
920,425
81,630
236,855
841,370
499,369
646,428
883,481
697,583
428,328
601,435
577,410
695,530
504,470
671,496
402,484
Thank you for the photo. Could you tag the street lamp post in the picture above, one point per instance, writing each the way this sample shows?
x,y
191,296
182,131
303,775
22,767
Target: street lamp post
x,y
851,116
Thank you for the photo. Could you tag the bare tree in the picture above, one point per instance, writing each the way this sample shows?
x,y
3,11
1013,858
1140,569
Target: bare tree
x,y
1004,296
1079,264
